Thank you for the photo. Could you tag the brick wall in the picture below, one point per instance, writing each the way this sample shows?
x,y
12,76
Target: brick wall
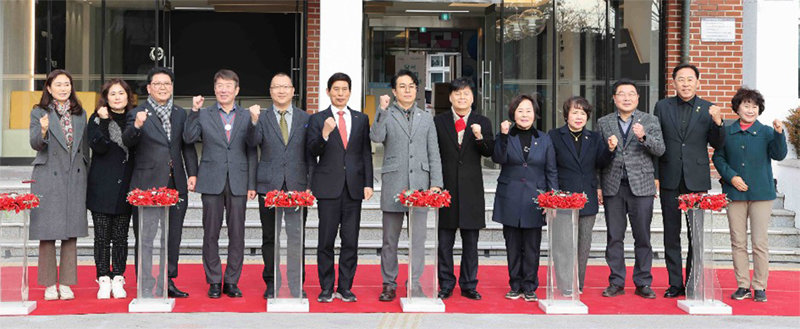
x,y
720,63
312,57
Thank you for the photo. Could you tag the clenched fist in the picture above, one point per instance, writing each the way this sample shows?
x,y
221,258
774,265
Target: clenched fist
x,y
612,143
476,130
778,126
102,112
328,127
44,121
255,111
638,130
141,117
384,101
504,127
716,114
197,102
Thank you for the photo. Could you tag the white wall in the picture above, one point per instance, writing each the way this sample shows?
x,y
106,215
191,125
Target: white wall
x,y
340,47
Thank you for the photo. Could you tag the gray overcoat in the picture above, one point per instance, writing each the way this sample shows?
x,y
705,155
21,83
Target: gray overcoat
x,y
60,178
411,155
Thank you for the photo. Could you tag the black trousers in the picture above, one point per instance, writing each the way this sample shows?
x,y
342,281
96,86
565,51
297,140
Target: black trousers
x,y
343,215
618,210
672,218
110,243
468,277
523,246
176,216
268,241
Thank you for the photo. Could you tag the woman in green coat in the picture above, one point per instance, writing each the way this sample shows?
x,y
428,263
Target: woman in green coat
x,y
745,164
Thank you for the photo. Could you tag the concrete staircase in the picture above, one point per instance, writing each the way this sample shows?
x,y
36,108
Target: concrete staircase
x,y
784,238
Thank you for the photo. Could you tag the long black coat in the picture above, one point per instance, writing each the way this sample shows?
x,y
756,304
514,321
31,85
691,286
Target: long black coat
x,y
461,168
110,172
580,173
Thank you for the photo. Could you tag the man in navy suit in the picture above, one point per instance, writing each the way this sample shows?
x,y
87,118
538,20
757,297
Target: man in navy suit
x,y
342,177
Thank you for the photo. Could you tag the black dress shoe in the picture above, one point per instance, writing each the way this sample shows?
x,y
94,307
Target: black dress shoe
x,y
673,292
445,293
214,290
388,294
645,292
471,294
613,290
231,290
269,293
174,292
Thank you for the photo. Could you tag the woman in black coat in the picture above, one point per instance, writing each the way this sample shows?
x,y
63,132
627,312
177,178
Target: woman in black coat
x,y
109,180
580,153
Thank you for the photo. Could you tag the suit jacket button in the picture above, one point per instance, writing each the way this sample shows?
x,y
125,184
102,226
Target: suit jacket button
x,y
411,171
525,165
460,162
119,181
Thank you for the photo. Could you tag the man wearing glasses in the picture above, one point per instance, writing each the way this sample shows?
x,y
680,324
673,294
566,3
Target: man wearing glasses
x,y
690,124
411,162
280,132
161,158
226,179
628,186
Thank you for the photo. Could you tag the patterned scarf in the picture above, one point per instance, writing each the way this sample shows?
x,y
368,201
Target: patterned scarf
x,y
163,112
115,134
65,121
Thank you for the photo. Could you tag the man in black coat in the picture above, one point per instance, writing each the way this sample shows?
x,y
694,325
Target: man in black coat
x,y
464,137
154,134
689,124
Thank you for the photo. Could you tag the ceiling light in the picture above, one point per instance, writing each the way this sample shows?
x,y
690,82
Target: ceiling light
x,y
435,11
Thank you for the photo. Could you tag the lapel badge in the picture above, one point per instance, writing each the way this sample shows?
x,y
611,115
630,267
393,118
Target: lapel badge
x,y
697,109
535,143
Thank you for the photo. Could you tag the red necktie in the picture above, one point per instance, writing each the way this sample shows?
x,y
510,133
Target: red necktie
x,y
343,129
460,124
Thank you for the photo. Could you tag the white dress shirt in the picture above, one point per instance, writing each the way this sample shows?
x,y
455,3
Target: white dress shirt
x,y
348,120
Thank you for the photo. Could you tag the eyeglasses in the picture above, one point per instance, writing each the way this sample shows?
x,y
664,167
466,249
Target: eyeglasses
x,y
624,95
161,84
407,87
281,87
686,79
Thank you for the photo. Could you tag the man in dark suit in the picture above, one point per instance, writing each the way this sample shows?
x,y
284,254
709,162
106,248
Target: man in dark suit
x,y
280,132
342,177
628,185
689,124
464,138
226,179
161,158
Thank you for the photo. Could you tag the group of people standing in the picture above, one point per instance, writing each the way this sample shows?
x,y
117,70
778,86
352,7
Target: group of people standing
x,y
248,152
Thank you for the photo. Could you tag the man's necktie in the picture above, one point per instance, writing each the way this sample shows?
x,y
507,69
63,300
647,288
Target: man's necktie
x,y
284,128
343,129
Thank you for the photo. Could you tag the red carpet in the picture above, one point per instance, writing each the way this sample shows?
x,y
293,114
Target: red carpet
x,y
783,293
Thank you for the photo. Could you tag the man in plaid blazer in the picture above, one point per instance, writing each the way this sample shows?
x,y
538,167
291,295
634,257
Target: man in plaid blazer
x,y
629,186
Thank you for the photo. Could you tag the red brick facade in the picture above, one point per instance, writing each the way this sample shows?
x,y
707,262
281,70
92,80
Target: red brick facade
x,y
312,57
720,63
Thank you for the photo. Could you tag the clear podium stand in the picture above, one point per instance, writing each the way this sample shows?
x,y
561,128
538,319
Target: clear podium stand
x,y
288,256
14,264
562,264
703,293
151,273
423,281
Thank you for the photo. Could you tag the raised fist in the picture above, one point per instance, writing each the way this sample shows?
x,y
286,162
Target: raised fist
x,y
328,127
716,114
476,130
638,130
504,127
197,102
255,111
778,126
612,143
44,121
102,112
141,117
384,101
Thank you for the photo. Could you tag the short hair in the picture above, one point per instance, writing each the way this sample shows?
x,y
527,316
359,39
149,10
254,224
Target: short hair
x,y
460,83
534,98
281,74
107,86
226,74
339,76
160,70
577,101
74,103
747,95
623,82
683,66
402,73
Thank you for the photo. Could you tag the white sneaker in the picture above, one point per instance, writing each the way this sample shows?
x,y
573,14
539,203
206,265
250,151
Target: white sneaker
x,y
51,293
104,292
118,287
65,292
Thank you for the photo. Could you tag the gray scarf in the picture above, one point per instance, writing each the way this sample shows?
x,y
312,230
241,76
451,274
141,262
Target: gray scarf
x,y
163,112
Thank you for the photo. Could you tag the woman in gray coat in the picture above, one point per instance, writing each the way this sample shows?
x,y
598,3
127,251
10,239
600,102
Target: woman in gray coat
x,y
59,174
